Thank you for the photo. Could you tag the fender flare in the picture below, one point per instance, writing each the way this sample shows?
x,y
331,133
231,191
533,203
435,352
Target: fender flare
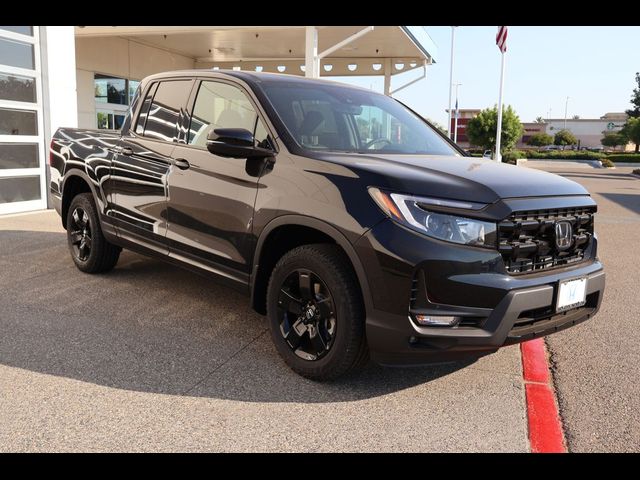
x,y
328,230
77,172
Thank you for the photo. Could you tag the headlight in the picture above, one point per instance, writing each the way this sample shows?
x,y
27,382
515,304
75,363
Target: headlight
x,y
413,212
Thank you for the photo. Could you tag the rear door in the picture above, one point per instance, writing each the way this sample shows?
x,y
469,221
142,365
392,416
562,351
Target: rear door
x,y
211,199
143,162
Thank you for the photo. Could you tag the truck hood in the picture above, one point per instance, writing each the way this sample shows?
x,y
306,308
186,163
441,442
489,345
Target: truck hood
x,y
453,177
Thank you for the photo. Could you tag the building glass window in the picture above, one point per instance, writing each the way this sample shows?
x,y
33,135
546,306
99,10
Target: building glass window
x,y
18,122
113,95
110,121
17,88
19,189
167,110
110,90
26,30
19,155
16,54
133,86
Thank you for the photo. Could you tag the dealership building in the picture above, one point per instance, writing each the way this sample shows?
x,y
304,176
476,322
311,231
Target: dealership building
x,y
85,76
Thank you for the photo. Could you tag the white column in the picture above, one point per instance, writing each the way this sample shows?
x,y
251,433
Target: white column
x,y
387,76
59,78
311,60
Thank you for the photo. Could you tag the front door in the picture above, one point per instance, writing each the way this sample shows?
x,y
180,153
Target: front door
x,y
142,164
211,198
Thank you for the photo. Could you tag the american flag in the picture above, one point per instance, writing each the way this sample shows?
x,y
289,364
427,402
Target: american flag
x,y
501,39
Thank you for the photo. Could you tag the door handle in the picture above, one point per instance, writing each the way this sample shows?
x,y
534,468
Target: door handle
x,y
123,150
181,163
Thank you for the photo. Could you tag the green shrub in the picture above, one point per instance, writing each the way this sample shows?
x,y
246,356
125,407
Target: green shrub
x,y
607,163
624,157
512,155
566,155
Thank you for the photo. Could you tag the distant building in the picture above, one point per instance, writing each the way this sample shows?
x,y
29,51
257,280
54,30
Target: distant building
x,y
588,131
465,114
530,129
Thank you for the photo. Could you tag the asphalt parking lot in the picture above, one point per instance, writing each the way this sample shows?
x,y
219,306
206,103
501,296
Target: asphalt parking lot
x,y
153,358
595,363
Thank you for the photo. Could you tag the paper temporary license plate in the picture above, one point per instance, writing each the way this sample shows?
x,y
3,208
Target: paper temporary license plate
x,y
571,294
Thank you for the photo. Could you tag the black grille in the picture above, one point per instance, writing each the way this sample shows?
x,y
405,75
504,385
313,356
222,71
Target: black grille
x,y
526,240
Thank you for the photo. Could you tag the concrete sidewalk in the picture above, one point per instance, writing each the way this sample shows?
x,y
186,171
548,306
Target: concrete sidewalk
x,y
153,358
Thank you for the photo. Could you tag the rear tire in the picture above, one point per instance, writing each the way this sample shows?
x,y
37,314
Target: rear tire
x,y
316,312
90,251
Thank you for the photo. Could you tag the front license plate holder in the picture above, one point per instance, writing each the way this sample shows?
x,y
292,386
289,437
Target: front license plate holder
x,y
571,294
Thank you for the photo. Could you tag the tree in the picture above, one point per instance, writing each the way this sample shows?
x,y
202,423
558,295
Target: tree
x,y
564,137
481,129
631,131
635,100
540,140
438,126
613,140
540,120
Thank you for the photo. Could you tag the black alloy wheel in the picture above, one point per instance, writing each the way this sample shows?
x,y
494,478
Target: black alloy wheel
x,y
90,250
307,314
316,312
80,234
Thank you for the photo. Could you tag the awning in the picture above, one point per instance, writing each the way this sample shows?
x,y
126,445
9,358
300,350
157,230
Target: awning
x,y
350,50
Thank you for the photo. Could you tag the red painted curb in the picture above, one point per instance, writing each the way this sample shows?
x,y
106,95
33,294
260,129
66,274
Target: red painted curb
x,y
534,361
545,426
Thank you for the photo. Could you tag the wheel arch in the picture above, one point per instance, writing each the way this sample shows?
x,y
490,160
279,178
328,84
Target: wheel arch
x,y
75,182
260,271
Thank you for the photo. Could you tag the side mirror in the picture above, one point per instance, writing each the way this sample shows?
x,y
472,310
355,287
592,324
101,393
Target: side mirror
x,y
235,143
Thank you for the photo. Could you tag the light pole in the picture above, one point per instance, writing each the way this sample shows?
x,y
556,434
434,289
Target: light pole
x,y
455,127
565,113
549,113
453,38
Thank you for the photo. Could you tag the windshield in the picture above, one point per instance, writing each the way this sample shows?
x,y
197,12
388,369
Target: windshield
x,y
342,119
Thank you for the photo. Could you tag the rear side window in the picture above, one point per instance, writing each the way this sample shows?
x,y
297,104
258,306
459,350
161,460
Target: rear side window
x,y
144,110
167,111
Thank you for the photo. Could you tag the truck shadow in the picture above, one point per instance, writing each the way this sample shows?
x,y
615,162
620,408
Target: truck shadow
x,y
151,327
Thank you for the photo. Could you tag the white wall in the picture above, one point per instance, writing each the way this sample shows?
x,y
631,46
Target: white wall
x,y
120,57
86,99
59,77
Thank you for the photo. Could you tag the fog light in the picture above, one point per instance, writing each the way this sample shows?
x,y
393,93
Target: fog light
x,y
436,320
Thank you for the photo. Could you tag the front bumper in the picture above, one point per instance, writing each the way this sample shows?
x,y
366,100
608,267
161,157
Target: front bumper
x,y
499,309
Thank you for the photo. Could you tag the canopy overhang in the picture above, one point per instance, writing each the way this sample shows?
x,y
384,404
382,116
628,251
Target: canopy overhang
x,y
296,50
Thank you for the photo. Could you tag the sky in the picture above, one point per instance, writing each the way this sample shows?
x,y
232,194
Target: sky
x,y
594,66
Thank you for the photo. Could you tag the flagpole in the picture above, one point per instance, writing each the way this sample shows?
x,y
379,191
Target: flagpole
x,y
455,127
453,37
498,156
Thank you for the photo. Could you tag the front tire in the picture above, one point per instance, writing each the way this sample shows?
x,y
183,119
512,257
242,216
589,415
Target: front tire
x,y
90,251
316,313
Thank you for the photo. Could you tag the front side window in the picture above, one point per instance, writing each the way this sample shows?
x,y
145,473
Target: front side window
x,y
220,105
167,110
335,118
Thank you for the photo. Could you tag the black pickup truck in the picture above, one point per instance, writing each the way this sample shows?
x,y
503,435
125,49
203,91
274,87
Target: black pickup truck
x,y
358,228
